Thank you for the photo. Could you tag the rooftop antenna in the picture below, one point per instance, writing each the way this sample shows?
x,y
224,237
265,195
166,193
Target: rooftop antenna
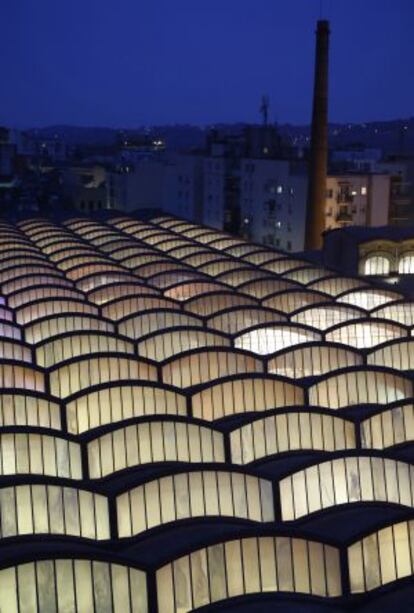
x,y
264,109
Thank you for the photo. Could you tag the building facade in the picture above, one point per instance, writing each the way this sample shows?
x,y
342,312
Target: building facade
x,y
357,199
273,203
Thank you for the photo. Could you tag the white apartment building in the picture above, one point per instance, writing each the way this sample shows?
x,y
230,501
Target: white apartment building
x,y
273,203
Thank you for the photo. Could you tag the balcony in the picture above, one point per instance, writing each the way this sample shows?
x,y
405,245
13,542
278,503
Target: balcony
x,y
343,217
344,198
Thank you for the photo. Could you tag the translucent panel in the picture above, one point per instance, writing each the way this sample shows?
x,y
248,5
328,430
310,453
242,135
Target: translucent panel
x,y
172,243
56,585
365,334
152,265
141,325
45,328
323,317
218,267
290,432
152,236
336,285
186,253
139,257
265,287
314,360
10,350
398,355
359,387
382,557
170,279
400,312
10,331
307,275
117,403
369,298
189,290
121,308
238,319
165,344
18,266
287,302
37,310
241,250
343,481
248,566
83,373
208,237
52,291
239,277
244,395
120,290
224,243
215,302
391,427
261,256
194,494
281,265
59,249
206,366
122,250
117,244
6,314
148,442
75,270
22,409
377,265
21,377
198,232
39,454
268,340
51,509
67,347
23,283
19,271
89,283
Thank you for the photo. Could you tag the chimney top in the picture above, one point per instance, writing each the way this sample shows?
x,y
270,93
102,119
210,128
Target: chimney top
x,y
322,24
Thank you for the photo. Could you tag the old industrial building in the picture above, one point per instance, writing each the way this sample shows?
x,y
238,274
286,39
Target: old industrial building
x,y
191,420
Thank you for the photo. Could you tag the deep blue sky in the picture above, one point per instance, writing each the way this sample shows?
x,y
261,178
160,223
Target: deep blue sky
x,y
134,62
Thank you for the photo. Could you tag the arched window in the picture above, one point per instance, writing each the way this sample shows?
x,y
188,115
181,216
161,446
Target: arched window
x,y
377,265
406,264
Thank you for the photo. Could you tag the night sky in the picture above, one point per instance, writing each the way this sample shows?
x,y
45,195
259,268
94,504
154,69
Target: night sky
x,y
127,63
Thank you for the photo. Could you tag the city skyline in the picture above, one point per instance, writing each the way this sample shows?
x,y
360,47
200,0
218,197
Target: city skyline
x,y
128,65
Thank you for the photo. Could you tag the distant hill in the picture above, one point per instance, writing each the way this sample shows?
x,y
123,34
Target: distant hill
x,y
393,137
74,135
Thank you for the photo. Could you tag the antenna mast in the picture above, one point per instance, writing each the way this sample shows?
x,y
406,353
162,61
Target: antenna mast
x,y
264,109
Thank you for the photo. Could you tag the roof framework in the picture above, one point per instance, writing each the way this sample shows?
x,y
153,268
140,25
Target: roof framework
x,y
189,419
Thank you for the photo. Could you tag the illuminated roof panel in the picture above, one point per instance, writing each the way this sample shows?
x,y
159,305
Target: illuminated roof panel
x,y
235,420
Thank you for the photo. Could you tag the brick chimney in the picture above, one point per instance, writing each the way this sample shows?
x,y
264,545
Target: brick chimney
x,y
318,161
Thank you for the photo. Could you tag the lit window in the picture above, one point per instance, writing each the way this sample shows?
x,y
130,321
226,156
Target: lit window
x,y
279,189
363,190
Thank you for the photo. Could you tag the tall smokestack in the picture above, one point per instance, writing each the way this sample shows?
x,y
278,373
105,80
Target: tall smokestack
x,y
318,163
